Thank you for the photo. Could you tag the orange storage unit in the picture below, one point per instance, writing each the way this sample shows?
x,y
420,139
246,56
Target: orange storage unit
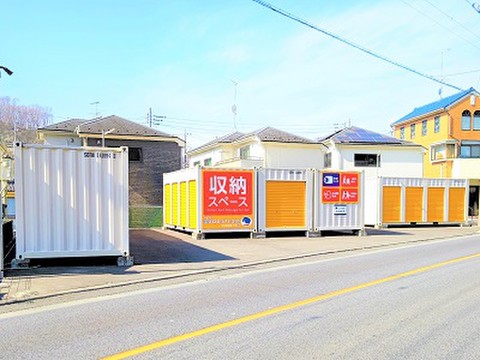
x,y
285,204
285,200
436,204
391,207
456,209
414,204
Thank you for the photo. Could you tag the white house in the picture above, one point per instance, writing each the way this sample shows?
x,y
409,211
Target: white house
x,y
267,147
353,148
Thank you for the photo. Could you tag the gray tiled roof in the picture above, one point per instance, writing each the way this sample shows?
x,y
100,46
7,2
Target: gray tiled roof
x,y
120,125
225,139
267,134
270,134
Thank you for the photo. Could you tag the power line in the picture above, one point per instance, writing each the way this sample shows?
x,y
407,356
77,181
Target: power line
x,y
452,19
462,73
475,6
358,47
439,24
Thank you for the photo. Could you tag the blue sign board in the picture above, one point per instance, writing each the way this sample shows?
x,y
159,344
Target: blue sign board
x,y
331,179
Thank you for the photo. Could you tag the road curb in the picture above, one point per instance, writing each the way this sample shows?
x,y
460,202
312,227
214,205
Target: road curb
x,y
223,268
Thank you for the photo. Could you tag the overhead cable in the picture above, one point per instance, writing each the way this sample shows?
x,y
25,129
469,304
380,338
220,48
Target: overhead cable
x,y
440,24
356,46
453,19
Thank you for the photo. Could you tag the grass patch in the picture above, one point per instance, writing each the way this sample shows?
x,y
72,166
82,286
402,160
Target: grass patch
x,y
145,216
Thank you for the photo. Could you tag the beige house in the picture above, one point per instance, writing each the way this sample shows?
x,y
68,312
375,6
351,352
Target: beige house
x,y
267,148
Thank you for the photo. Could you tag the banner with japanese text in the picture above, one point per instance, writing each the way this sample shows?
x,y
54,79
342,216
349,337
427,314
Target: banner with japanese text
x,y
228,199
340,188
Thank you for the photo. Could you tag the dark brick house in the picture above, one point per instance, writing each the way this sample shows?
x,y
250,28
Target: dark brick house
x,y
151,152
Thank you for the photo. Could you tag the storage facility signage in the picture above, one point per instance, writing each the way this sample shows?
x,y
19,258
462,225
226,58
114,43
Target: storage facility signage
x,y
340,188
228,199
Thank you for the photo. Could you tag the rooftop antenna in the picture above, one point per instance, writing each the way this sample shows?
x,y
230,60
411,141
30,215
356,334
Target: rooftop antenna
x,y
96,107
441,71
234,106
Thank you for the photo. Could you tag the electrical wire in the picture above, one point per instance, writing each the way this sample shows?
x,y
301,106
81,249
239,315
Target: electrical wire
x,y
349,43
439,24
475,6
462,73
452,18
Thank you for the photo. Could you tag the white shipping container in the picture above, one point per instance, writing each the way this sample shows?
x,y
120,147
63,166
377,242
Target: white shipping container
x,y
398,201
339,201
71,202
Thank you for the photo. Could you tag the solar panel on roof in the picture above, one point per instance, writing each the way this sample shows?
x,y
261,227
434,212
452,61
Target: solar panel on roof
x,y
365,136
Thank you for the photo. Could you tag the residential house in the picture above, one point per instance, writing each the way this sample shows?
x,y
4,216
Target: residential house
x,y
450,130
267,147
354,148
151,152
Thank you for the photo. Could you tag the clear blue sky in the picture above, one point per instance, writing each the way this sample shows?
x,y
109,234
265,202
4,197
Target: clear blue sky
x,y
180,57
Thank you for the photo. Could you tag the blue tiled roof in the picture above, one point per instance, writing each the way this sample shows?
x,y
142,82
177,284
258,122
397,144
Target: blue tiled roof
x,y
437,105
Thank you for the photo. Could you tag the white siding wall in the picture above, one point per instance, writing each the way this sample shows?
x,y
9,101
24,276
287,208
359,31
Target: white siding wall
x,y
62,140
466,169
214,154
293,156
397,162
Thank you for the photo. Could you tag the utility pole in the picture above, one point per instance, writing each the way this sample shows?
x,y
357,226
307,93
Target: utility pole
x,y
153,119
185,162
234,106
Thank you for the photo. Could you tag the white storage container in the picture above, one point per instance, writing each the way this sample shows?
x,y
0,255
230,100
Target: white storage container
x,y
403,201
285,200
71,202
339,201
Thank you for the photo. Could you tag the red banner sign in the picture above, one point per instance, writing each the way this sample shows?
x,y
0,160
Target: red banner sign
x,y
228,199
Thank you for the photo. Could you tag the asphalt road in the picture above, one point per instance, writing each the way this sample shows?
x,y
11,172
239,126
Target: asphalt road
x,y
365,306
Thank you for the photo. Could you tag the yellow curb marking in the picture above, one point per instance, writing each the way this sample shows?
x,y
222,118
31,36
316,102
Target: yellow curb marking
x,y
279,309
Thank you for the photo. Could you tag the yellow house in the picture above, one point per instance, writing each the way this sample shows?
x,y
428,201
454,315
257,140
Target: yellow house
x,y
450,130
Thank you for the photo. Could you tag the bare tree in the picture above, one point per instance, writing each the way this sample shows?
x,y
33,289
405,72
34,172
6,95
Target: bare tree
x,y
20,122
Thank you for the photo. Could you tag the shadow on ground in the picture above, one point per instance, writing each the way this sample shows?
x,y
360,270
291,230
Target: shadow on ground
x,y
153,247
146,246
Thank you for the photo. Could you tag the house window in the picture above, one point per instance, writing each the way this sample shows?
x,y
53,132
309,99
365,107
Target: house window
x,y
402,133
207,162
442,151
470,150
466,120
245,152
412,131
424,127
436,127
327,160
196,163
476,120
367,160
135,154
